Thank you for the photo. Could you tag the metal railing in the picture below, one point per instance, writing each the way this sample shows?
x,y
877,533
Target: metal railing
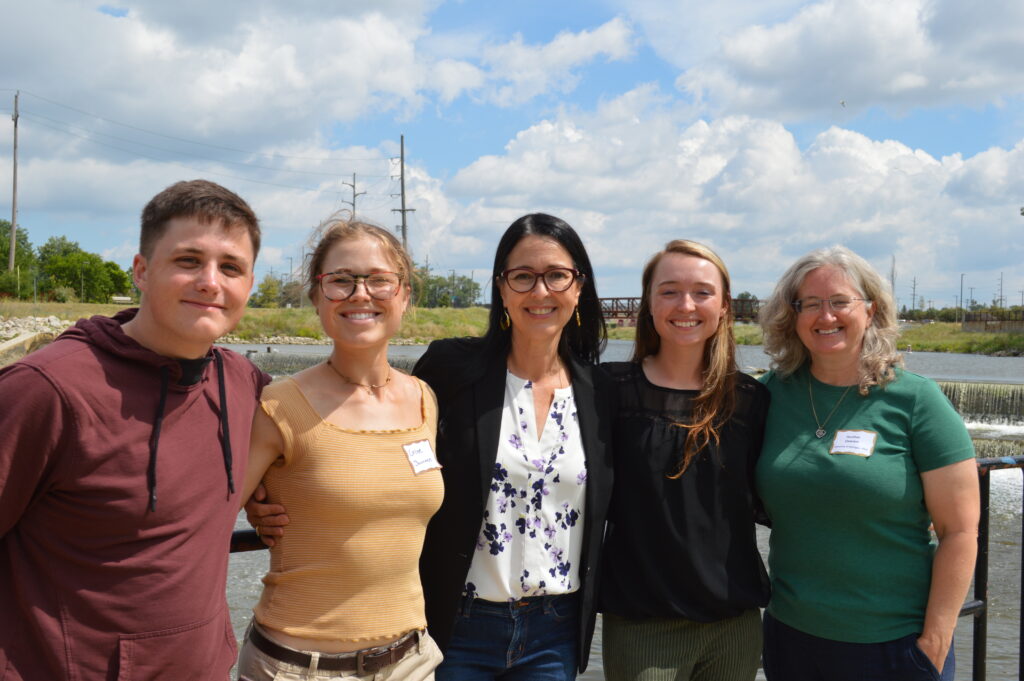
x,y
247,540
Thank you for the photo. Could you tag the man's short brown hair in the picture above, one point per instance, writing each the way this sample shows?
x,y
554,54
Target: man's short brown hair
x,y
200,199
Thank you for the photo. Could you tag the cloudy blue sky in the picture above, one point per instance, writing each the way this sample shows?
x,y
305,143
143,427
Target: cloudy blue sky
x,y
764,128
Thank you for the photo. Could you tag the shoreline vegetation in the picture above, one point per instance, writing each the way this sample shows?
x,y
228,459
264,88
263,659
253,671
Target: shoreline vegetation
x,y
422,325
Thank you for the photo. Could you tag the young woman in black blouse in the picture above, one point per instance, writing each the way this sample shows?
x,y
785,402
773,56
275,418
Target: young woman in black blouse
x,y
682,577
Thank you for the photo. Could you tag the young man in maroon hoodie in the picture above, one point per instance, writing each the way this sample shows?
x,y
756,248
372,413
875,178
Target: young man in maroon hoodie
x,y
122,445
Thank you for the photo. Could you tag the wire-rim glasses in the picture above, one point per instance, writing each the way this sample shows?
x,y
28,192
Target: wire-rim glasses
x,y
556,279
838,304
337,286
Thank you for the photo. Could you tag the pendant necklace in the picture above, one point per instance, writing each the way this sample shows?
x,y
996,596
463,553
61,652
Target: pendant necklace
x,y
820,432
368,387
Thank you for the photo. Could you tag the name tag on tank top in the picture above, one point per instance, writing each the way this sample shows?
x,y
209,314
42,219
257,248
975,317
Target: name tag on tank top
x,y
421,456
856,442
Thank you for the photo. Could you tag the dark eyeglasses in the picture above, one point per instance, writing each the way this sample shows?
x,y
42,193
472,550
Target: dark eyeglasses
x,y
839,304
341,285
557,279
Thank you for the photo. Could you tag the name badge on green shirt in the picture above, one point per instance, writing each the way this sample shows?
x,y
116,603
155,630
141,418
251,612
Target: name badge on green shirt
x,y
856,442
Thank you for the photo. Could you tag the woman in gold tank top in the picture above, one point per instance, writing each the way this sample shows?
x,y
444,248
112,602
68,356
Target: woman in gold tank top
x,y
347,447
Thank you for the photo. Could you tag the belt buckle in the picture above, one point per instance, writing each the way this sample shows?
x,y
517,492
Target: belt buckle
x,y
362,656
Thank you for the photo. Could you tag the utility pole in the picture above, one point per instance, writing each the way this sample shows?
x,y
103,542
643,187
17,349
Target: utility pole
x,y
403,210
14,192
892,275
1001,299
970,300
913,294
354,195
961,310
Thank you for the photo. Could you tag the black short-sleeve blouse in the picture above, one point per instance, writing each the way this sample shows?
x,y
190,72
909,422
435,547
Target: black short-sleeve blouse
x,y
682,547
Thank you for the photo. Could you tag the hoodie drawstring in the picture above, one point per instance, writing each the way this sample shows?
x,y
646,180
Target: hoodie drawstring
x,y
225,443
154,438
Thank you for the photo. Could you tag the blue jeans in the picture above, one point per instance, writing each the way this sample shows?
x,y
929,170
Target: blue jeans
x,y
535,639
792,655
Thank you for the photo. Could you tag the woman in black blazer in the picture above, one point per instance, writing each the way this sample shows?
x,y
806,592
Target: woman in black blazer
x,y
510,560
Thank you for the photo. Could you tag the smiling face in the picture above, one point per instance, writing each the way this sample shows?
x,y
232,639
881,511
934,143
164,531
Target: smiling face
x,y
194,286
686,300
828,335
361,320
539,313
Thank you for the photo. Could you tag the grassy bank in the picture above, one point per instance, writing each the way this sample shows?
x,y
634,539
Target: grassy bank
x,y
422,325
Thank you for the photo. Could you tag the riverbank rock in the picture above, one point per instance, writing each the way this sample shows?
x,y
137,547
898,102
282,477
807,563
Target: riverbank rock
x,y
12,327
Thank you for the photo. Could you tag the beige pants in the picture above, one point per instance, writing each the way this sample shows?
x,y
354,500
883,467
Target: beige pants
x,y
417,665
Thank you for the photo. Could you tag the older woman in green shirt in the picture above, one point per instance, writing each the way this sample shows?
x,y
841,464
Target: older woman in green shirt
x,y
860,459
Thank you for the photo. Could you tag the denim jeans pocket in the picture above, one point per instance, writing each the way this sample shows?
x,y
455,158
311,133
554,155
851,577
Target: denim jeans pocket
x,y
561,608
920,661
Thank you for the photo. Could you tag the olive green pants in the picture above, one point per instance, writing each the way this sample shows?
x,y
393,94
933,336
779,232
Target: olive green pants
x,y
681,650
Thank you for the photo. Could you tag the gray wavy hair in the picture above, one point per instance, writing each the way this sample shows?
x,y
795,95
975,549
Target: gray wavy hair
x,y
878,353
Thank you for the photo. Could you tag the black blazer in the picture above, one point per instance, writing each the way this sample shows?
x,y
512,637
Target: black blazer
x,y
470,393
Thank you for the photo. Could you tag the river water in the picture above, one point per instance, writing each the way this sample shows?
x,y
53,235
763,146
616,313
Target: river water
x,y
246,569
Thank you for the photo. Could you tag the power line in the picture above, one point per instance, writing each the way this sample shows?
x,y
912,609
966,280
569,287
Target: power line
x,y
85,134
182,165
188,141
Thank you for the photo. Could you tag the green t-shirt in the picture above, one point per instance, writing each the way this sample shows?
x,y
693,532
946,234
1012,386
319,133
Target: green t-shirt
x,y
851,552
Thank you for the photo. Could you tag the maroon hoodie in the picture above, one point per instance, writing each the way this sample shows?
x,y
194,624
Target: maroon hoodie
x,y
119,488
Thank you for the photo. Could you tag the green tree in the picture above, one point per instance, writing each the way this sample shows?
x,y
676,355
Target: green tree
x,y
439,291
84,272
268,293
120,282
18,283
293,293
57,246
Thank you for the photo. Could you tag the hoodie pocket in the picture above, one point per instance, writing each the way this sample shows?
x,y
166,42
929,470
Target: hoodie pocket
x,y
201,650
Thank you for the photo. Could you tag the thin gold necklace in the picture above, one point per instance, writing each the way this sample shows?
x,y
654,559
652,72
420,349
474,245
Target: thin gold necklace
x,y
369,387
820,432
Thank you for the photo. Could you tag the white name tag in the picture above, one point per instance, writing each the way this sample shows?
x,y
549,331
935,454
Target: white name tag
x,y
421,456
856,442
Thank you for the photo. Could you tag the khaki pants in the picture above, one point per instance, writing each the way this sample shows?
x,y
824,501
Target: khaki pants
x,y
417,665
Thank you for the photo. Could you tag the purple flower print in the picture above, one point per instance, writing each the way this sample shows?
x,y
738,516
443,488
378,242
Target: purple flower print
x,y
581,477
515,441
538,464
549,532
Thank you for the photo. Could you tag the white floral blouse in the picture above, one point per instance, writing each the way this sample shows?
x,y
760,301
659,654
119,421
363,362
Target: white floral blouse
x,y
532,531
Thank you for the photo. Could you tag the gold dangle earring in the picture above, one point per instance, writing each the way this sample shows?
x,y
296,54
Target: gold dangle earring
x,y
578,322
506,321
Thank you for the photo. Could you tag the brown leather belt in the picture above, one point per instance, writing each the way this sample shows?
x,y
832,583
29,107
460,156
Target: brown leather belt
x,y
362,661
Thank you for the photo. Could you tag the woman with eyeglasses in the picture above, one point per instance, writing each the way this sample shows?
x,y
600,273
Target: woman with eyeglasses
x,y
682,579
347,446
860,458
510,559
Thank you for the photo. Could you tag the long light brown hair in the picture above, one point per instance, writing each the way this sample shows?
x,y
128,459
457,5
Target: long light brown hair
x,y
717,399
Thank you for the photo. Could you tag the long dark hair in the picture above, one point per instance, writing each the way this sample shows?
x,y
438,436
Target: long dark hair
x,y
584,341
